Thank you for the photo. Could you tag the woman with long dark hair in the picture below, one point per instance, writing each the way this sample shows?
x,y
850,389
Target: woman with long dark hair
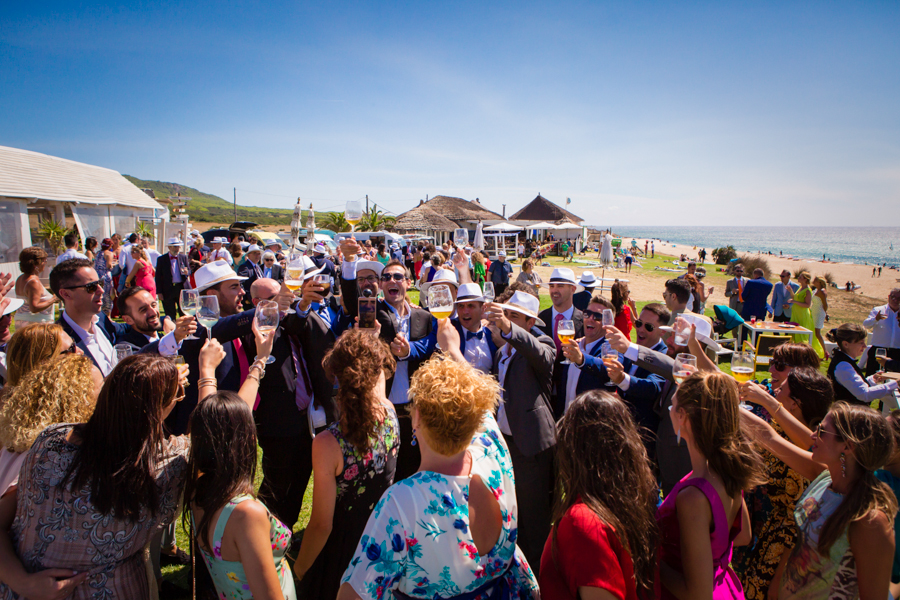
x,y
354,461
104,488
604,536
704,514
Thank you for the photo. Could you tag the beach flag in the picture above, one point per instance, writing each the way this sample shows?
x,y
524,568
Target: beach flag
x,y
568,201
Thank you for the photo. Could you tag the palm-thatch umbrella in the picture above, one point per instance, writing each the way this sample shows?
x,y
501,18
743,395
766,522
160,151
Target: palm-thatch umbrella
x,y
310,230
295,225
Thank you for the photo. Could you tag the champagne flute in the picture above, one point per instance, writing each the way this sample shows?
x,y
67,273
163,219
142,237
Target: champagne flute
x,y
208,313
190,303
267,318
181,365
488,291
565,332
881,355
607,354
353,213
685,366
294,279
440,301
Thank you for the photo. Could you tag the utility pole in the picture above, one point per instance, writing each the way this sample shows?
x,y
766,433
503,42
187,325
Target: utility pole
x,y
235,204
367,204
504,211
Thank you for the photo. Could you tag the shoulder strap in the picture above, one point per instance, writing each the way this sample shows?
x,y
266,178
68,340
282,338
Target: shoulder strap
x,y
222,521
720,519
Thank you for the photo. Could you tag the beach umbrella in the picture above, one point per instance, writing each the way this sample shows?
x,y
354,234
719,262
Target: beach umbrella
x,y
503,227
606,251
310,229
478,243
295,225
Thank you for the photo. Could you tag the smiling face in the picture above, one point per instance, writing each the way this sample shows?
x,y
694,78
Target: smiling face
x,y
826,445
469,314
783,395
645,338
894,301
394,291
854,349
593,327
143,312
561,295
519,319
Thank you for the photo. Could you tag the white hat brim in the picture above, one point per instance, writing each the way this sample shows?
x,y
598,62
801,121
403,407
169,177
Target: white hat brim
x,y
521,310
206,286
14,305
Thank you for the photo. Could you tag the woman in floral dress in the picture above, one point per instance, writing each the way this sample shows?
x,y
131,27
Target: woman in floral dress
x,y
354,461
450,529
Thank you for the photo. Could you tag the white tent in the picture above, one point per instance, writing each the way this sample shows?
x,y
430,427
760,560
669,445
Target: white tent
x,y
503,227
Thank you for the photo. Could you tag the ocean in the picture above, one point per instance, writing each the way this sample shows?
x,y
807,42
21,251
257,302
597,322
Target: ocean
x,y
861,245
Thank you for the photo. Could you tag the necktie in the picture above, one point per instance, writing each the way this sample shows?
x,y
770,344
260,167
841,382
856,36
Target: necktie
x,y
479,335
556,341
303,392
740,283
243,364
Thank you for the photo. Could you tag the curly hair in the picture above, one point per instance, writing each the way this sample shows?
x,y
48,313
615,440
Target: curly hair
x,y
602,462
30,346
30,259
61,391
356,360
711,402
451,399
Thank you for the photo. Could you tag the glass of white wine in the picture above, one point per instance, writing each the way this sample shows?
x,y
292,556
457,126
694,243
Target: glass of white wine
x,y
488,291
208,313
440,301
267,319
353,213
294,279
685,365
461,237
881,356
190,303
609,354
565,332
181,365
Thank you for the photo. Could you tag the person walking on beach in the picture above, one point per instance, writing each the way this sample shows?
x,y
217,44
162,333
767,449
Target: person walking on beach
x,y
652,249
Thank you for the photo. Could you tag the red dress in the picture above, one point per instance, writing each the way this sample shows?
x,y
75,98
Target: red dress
x,y
588,554
145,278
624,320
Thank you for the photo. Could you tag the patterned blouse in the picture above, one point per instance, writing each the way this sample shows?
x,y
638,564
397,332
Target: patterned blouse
x,y
56,527
417,540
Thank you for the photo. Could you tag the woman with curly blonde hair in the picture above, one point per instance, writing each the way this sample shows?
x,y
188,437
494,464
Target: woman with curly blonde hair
x,y
63,390
450,529
354,461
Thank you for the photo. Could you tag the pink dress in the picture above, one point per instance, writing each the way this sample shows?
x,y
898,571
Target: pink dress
x,y
726,584
145,278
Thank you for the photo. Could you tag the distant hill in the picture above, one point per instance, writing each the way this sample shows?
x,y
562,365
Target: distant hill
x,y
206,208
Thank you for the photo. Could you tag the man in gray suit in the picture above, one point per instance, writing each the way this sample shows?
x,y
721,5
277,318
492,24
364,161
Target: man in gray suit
x,y
523,367
734,288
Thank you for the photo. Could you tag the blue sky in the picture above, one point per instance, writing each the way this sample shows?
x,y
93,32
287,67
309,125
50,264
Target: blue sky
x,y
643,113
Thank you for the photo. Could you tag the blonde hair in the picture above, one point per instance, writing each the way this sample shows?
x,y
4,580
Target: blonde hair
x,y
30,346
806,275
820,281
61,391
451,399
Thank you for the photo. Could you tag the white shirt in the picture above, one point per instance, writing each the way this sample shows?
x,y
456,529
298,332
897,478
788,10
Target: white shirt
x,y
97,342
173,264
478,352
574,371
886,332
221,254
125,259
400,386
502,421
70,253
154,256
863,390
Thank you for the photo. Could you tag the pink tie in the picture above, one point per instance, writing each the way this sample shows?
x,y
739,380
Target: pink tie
x,y
556,341
243,364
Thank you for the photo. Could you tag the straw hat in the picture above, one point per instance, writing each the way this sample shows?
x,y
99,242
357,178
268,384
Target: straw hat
x,y
525,303
14,305
174,241
562,275
309,267
214,273
371,265
442,277
588,280
469,292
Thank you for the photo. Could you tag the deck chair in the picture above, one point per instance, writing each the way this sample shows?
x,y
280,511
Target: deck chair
x,y
765,347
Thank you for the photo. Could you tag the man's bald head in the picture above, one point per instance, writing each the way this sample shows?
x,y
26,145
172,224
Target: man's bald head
x,y
264,289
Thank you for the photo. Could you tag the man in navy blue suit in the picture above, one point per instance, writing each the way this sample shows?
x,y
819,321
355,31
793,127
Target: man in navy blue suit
x,y
476,342
756,293
140,310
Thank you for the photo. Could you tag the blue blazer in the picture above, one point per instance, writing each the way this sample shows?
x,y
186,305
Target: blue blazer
x,y
593,372
644,392
136,338
462,337
756,292
779,295
113,331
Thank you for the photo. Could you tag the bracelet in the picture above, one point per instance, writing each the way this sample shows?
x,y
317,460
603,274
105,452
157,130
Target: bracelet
x,y
261,369
253,377
777,409
208,381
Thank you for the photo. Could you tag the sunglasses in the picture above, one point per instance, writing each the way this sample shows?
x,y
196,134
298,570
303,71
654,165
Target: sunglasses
x,y
821,429
779,365
395,276
70,350
270,260
597,316
648,326
90,288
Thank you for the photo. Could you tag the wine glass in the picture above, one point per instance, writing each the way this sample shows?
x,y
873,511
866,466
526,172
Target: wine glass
x,y
488,291
181,365
881,355
685,366
440,301
743,366
461,237
323,279
353,213
267,318
208,313
123,351
608,353
608,318
294,279
190,303
565,332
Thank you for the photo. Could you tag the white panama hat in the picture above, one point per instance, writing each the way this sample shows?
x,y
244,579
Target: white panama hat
x,y
214,273
469,292
525,303
588,280
442,277
562,275
174,242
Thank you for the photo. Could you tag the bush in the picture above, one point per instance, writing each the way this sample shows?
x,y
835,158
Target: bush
x,y
723,256
751,263
828,277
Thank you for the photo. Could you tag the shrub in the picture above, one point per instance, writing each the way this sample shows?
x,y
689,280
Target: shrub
x,y
723,256
751,263
828,277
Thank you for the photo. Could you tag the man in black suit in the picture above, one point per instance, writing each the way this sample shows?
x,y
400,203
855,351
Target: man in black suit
x,y
410,331
140,310
172,275
562,287
251,269
270,267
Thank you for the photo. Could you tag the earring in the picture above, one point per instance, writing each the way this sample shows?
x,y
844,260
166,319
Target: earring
x,y
414,441
678,441
843,465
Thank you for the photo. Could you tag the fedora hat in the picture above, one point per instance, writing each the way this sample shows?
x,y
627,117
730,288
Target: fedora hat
x,y
14,305
562,275
214,273
309,267
588,280
704,327
371,265
469,292
320,249
253,248
219,240
174,242
442,277
525,303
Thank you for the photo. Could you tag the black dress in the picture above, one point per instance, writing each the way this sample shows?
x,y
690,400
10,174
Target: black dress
x,y
365,477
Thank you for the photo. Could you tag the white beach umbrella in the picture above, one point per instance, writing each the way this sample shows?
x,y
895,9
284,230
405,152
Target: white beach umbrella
x,y
310,229
478,242
606,250
504,226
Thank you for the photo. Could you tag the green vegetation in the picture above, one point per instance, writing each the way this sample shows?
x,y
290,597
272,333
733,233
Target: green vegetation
x,y
53,232
723,256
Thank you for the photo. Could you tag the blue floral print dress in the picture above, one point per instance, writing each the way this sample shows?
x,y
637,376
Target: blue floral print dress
x,y
417,542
